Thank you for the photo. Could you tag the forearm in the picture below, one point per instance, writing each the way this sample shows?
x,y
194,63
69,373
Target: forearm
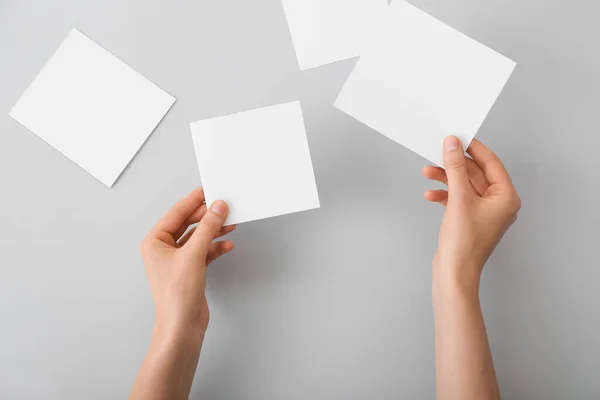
x,y
168,369
464,366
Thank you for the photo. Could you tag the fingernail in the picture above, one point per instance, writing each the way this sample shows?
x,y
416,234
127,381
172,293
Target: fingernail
x,y
219,207
451,143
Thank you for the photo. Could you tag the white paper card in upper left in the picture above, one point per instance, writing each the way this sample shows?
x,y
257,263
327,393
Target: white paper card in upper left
x,y
92,107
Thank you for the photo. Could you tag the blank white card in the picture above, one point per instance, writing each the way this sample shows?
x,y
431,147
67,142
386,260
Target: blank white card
x,y
421,81
257,161
92,107
326,31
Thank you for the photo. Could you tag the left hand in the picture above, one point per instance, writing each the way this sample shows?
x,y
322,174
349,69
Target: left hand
x,y
176,262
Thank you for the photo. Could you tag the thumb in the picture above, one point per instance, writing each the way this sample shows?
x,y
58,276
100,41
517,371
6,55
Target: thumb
x,y
208,227
455,164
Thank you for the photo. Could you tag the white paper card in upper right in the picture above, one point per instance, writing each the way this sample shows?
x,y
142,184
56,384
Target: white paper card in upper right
x,y
422,80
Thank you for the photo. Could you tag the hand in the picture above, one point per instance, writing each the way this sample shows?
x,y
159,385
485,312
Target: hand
x,y
481,204
176,262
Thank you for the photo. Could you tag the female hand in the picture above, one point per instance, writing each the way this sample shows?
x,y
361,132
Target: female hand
x,y
481,204
176,262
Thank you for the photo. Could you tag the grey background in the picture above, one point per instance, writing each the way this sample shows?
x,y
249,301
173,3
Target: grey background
x,y
333,303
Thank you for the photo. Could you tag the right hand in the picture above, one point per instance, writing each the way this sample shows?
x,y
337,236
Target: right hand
x,y
176,263
481,204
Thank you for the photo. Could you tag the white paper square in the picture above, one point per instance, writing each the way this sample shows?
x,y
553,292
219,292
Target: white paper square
x,y
326,31
257,161
92,107
421,81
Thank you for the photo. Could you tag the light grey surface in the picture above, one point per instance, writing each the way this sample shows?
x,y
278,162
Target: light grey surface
x,y
328,304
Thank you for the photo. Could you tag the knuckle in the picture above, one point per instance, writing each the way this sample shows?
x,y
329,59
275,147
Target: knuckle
x,y
516,203
513,203
208,223
456,163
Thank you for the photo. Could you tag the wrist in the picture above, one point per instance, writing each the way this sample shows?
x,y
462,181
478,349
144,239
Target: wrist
x,y
176,334
455,282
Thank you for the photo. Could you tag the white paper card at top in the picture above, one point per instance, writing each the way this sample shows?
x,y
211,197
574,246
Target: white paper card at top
x,y
421,81
257,161
326,31
92,107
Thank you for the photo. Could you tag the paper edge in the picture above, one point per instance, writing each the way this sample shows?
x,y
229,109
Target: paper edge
x,y
161,119
305,66
192,124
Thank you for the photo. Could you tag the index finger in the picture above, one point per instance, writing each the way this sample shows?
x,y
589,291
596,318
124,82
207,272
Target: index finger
x,y
180,212
489,162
